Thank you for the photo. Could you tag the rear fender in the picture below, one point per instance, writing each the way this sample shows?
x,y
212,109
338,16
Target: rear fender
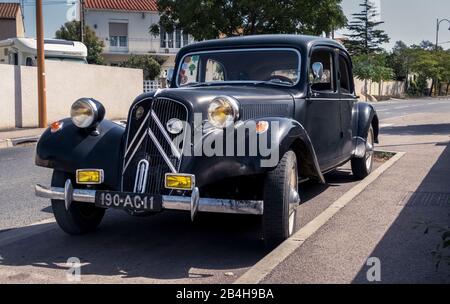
x,y
367,116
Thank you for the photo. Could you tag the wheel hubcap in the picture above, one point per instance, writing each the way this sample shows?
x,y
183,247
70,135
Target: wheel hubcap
x,y
294,198
369,150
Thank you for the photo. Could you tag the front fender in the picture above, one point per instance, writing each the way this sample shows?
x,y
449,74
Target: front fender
x,y
283,134
73,148
367,116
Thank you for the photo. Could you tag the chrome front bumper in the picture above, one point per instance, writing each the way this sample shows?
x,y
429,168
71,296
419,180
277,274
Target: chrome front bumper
x,y
191,203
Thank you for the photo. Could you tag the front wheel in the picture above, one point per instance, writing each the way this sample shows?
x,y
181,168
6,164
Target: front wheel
x,y
281,200
81,218
362,167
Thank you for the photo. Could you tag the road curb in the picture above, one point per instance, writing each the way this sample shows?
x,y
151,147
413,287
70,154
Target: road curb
x,y
266,265
12,142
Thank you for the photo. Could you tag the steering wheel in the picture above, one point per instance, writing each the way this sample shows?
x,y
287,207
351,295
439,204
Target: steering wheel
x,y
280,78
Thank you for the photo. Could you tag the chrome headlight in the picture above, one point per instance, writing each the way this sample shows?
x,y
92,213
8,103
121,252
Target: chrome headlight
x,y
223,111
87,113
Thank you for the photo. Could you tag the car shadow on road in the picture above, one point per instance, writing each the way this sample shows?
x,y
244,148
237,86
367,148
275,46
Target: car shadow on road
x,y
428,129
405,251
160,248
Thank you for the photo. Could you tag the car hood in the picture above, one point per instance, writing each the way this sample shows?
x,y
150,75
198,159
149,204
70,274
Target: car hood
x,y
255,101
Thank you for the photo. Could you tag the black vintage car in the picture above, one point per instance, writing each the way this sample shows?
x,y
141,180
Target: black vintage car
x,y
243,121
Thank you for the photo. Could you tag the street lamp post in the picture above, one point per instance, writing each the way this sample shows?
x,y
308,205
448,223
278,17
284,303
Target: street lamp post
x,y
438,25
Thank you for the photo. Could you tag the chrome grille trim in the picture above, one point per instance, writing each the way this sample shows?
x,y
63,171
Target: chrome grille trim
x,y
134,152
140,181
161,150
166,136
137,134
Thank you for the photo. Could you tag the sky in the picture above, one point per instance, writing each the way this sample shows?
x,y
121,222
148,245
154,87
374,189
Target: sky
x,y
408,20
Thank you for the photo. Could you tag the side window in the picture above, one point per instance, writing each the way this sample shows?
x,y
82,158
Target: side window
x,y
214,71
344,75
328,82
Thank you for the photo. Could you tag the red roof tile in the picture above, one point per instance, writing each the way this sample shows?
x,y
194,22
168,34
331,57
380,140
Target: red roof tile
x,y
122,5
9,10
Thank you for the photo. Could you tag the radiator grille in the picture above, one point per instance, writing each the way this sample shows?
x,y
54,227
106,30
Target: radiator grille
x,y
263,110
153,144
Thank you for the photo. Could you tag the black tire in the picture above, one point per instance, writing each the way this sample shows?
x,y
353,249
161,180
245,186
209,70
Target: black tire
x,y
362,167
81,218
279,218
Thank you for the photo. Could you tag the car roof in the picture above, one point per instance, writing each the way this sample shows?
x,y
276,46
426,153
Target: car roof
x,y
296,41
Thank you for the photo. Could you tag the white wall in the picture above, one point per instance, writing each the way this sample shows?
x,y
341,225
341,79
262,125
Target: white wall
x,y
7,96
388,88
114,87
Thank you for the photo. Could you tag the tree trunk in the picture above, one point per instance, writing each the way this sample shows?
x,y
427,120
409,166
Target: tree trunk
x,y
365,88
446,90
380,90
432,86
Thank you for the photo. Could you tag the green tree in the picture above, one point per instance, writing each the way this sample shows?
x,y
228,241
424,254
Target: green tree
x,y
71,31
372,67
399,60
209,19
149,64
365,38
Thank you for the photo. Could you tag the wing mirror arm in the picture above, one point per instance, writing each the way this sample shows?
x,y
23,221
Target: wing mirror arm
x,y
317,74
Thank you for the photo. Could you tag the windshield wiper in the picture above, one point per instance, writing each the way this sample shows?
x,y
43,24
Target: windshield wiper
x,y
272,83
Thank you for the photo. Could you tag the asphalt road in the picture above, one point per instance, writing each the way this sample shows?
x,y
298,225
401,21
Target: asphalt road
x,y
163,248
392,109
18,175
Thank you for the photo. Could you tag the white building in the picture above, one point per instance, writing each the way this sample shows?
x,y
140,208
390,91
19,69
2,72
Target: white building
x,y
124,26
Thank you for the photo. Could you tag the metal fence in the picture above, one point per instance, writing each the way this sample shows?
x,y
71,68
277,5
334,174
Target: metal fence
x,y
151,85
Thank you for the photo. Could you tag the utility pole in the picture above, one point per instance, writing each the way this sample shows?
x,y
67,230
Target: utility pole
x,y
82,20
42,102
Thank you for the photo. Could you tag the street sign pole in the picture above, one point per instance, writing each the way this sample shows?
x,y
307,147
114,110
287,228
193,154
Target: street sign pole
x,y
42,102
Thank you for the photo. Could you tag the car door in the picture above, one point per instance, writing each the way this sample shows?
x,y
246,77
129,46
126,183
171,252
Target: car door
x,y
347,102
323,111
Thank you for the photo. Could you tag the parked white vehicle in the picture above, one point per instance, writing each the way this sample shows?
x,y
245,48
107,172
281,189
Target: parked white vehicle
x,y
23,51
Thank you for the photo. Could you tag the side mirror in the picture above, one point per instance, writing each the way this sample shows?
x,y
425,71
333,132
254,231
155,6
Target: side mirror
x,y
317,69
169,77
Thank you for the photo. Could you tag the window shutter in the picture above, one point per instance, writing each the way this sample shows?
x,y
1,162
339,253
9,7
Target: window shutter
x,y
118,29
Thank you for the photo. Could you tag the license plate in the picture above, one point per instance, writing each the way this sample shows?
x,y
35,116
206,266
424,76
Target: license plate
x,y
122,200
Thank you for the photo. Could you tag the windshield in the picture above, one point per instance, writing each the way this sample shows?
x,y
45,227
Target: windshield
x,y
275,66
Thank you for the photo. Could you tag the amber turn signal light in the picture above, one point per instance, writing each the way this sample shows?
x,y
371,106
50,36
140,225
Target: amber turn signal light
x,y
56,126
179,181
89,176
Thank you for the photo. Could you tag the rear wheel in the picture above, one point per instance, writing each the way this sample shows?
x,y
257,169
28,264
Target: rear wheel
x,y
81,218
362,167
281,200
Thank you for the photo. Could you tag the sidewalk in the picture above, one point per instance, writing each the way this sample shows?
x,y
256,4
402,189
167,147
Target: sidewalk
x,y
379,223
11,138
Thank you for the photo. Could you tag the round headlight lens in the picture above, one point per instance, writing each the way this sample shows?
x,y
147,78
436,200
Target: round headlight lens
x,y
223,111
83,113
